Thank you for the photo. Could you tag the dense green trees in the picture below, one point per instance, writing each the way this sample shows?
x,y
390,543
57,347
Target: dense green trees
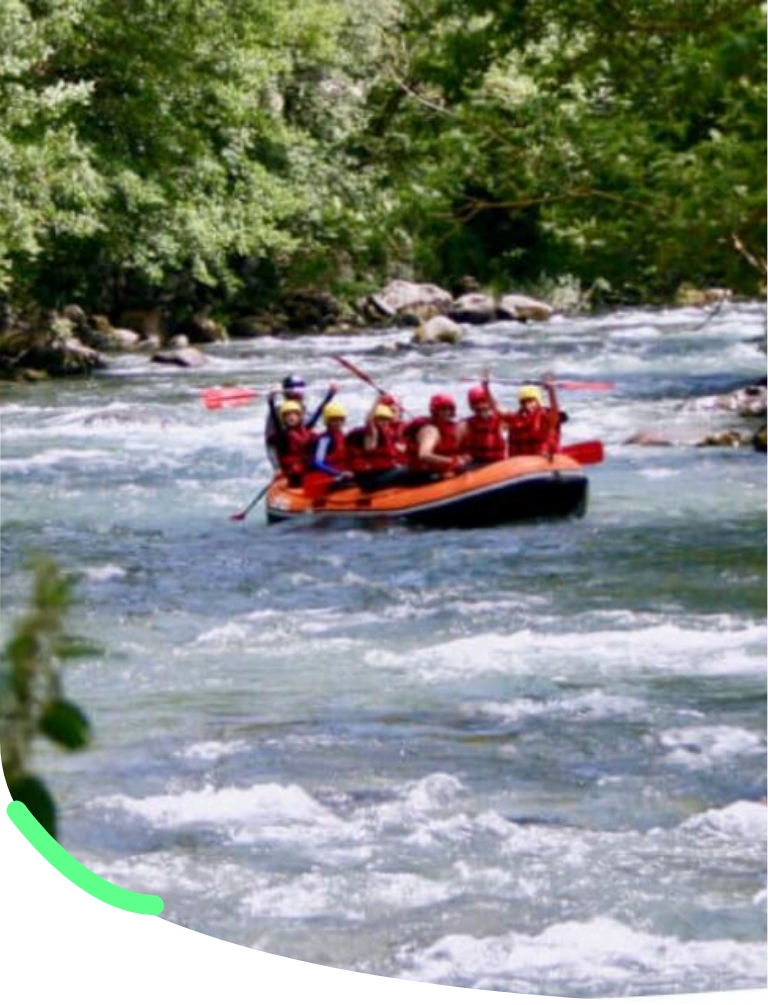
x,y
622,141
227,150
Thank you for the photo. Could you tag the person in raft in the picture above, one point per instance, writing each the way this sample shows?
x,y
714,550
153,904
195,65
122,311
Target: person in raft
x,y
535,428
330,454
433,441
377,451
482,435
391,402
292,439
293,388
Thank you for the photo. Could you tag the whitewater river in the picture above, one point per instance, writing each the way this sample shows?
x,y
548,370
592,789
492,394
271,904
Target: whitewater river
x,y
524,759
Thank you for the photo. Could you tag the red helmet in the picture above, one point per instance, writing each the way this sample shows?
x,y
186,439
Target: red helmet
x,y
477,396
438,401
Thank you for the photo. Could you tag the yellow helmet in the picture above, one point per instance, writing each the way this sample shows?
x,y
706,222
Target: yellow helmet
x,y
529,393
333,410
383,412
290,406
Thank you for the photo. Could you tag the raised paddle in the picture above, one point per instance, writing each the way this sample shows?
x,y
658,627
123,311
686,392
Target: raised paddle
x,y
257,498
588,452
368,380
360,373
227,397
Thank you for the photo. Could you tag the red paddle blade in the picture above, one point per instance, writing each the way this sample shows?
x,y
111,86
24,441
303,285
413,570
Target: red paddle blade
x,y
226,397
588,452
239,516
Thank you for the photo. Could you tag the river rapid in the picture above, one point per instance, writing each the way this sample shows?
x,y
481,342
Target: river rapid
x,y
530,758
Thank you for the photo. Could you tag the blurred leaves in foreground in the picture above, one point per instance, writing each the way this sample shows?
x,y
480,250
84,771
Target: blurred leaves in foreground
x,y
32,703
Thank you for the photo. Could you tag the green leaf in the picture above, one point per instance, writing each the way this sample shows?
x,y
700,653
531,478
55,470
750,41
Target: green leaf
x,y
65,724
34,794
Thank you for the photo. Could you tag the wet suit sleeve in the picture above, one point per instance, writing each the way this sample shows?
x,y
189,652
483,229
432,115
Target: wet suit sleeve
x,y
315,416
276,438
319,462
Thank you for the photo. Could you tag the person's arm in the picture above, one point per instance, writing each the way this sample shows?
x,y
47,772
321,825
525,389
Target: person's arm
x,y
315,416
502,413
371,434
553,438
275,433
319,462
427,439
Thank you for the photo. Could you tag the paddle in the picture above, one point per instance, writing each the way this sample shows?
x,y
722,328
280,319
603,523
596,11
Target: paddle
x,y
563,385
257,498
588,452
226,397
360,373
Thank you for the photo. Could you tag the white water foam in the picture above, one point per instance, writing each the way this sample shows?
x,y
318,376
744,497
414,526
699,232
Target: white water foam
x,y
743,821
101,573
713,646
212,750
584,957
699,747
54,457
256,806
589,707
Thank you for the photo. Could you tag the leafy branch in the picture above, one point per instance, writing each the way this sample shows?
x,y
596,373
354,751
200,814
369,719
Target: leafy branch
x,y
32,702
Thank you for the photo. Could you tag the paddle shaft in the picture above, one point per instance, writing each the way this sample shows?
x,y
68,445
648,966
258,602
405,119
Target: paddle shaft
x,y
360,373
257,498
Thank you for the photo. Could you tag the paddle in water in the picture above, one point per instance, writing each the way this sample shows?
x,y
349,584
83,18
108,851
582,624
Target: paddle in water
x,y
257,498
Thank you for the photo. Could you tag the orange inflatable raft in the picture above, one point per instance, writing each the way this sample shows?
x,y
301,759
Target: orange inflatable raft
x,y
519,488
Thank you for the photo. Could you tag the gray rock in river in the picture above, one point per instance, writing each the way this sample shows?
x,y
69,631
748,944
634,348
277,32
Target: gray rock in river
x,y
189,357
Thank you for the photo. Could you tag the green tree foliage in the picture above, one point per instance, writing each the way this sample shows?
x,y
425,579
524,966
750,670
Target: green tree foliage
x,y
32,703
223,149
177,107
616,140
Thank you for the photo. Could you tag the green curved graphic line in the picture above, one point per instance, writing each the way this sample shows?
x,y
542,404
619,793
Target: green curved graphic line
x,y
76,872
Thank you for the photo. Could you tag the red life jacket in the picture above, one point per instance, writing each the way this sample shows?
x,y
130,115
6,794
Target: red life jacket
x,y
532,433
485,439
447,444
294,451
383,457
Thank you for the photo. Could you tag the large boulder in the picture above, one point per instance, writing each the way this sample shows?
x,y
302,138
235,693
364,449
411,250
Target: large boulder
x,y
517,307
749,401
48,345
111,339
411,302
185,357
473,309
438,329
726,438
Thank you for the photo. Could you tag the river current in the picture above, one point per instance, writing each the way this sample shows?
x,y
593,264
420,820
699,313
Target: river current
x,y
530,758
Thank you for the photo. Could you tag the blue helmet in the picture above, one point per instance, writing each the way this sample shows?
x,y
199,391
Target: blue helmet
x,y
294,383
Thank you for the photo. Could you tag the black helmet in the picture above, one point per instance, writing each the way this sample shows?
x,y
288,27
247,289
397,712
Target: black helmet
x,y
294,383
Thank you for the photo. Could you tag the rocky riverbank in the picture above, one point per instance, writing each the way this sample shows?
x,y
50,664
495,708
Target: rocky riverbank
x,y
72,342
